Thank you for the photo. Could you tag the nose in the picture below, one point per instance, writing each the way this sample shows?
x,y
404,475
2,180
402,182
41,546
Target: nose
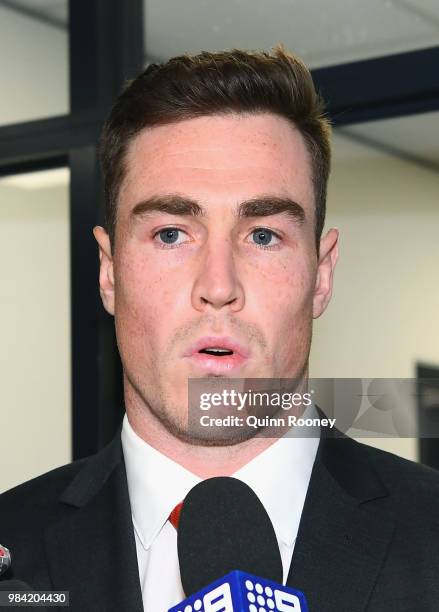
x,y
217,284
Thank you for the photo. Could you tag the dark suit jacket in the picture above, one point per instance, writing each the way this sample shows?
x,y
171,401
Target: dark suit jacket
x,y
368,537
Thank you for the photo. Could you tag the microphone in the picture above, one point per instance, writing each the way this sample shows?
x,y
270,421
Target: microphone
x,y
224,530
242,592
5,559
223,527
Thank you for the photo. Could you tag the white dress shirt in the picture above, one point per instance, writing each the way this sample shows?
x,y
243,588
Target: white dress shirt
x,y
279,476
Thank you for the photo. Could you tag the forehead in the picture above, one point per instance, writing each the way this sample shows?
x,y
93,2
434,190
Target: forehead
x,y
225,156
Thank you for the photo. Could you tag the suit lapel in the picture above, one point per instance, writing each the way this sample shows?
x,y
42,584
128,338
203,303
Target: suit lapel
x,y
91,548
343,534
341,544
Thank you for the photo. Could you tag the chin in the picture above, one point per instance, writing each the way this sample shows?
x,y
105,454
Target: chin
x,y
230,438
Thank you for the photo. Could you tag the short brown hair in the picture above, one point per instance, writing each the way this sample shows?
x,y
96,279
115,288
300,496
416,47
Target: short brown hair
x,y
235,81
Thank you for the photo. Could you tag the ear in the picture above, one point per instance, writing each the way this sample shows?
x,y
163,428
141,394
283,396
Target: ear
x,y
106,273
325,272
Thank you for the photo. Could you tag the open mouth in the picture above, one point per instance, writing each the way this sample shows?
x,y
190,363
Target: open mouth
x,y
216,352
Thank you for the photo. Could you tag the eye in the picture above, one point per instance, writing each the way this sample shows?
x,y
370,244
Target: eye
x,y
170,236
264,237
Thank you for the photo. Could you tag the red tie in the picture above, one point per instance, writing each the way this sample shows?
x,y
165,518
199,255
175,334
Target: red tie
x,y
174,517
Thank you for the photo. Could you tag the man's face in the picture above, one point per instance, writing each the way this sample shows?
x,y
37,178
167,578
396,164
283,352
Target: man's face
x,y
241,274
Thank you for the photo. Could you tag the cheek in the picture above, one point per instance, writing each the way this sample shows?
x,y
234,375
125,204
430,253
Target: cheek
x,y
282,299
293,308
283,288
142,300
292,330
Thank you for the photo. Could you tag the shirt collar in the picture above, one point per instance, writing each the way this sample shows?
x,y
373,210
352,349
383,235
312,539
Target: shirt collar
x,y
156,484
279,476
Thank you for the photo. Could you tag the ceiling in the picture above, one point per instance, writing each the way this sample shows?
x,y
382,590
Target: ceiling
x,y
321,32
414,138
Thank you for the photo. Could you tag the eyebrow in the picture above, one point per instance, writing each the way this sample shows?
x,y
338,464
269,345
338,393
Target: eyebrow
x,y
260,206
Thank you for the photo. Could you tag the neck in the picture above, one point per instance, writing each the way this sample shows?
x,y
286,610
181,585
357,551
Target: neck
x,y
203,461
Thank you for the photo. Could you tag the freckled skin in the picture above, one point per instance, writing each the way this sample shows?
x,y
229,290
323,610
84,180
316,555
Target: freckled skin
x,y
217,281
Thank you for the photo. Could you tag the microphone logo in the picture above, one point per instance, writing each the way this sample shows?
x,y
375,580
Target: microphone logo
x,y
5,559
243,592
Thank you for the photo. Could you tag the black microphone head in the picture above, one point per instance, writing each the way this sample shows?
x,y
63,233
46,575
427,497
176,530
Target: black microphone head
x,y
223,527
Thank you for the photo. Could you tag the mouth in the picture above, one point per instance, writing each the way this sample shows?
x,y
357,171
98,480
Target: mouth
x,y
217,355
216,351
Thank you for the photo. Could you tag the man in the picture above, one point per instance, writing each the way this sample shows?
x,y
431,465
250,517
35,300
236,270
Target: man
x,y
213,264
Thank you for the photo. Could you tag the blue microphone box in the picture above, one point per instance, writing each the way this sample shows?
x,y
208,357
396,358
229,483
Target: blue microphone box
x,y
242,592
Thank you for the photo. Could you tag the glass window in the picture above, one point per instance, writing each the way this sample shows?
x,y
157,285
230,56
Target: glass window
x,y
35,408
34,60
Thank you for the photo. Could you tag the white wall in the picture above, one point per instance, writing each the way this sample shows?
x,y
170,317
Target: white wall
x,y
35,421
384,314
